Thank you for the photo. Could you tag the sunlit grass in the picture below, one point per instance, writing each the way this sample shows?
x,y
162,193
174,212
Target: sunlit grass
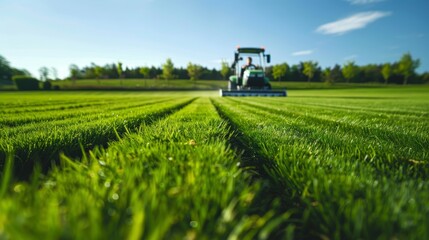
x,y
350,173
343,164
176,178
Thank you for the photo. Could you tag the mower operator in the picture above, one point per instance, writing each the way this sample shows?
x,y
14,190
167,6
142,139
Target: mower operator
x,y
249,65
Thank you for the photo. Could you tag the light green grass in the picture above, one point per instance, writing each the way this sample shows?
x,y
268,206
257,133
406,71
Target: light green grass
x,y
353,164
173,179
330,164
36,127
197,85
200,84
142,84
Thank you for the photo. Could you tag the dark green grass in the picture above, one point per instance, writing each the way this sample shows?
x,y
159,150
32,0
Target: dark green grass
x,y
205,84
148,84
37,137
346,173
174,179
346,164
142,84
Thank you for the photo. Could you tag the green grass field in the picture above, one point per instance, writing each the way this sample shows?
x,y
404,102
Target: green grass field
x,y
320,164
180,84
141,84
199,84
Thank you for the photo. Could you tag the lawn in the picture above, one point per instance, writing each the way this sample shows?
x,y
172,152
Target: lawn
x,y
347,163
184,84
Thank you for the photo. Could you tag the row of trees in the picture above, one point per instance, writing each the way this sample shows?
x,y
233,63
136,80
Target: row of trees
x,y
402,71
166,71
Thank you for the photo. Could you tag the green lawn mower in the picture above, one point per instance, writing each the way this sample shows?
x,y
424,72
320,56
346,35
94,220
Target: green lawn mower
x,y
250,79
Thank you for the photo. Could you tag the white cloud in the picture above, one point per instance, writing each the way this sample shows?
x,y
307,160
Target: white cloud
x,y
357,21
363,2
302,53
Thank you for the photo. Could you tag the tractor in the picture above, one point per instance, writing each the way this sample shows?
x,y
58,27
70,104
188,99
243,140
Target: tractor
x,y
250,79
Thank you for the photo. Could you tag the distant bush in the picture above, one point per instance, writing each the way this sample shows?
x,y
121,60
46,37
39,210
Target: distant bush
x,y
26,83
47,85
56,87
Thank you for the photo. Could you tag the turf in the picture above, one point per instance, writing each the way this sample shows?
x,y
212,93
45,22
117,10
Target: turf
x,y
319,164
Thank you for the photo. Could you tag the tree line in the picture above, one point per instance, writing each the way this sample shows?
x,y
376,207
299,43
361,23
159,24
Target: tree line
x,y
166,71
402,71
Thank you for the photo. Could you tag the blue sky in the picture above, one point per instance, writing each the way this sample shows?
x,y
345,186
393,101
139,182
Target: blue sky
x,y
53,33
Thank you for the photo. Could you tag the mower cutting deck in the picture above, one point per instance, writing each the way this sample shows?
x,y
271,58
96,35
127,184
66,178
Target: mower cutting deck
x,y
251,93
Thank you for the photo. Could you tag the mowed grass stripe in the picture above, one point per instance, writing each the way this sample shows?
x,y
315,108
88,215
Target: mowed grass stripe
x,y
10,110
333,194
390,99
404,111
77,120
40,147
76,104
172,180
407,104
39,101
19,120
361,114
371,146
416,129
34,100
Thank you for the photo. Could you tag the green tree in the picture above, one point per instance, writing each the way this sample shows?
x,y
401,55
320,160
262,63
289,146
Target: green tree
x,y
5,69
119,70
337,74
194,71
309,70
44,73
407,66
145,71
371,73
98,71
224,70
350,70
167,69
386,71
327,76
74,72
22,72
280,70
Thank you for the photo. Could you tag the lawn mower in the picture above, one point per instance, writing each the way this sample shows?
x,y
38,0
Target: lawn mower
x,y
250,79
